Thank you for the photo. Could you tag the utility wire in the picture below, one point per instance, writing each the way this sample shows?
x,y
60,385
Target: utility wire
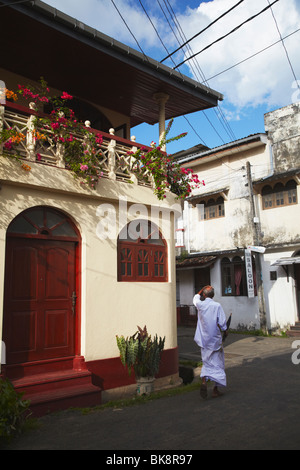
x,y
284,46
203,30
205,115
221,117
226,35
254,55
123,19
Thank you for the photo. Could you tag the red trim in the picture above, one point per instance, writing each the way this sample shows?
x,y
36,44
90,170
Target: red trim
x,y
78,260
110,373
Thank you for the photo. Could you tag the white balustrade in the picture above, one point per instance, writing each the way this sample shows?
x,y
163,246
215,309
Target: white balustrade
x,y
114,155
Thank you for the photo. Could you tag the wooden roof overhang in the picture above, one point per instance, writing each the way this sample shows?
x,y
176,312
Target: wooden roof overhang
x,y
38,40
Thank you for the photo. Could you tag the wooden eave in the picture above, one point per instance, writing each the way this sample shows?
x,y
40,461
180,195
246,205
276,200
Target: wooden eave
x,y
37,40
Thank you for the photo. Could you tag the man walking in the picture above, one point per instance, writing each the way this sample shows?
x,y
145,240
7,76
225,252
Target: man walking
x,y
208,336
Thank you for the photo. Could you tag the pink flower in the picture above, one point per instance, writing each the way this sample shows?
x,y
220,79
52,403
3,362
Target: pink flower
x,y
8,145
39,156
66,96
55,125
99,139
83,167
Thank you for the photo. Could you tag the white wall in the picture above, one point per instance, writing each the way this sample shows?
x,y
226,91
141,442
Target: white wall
x,y
109,307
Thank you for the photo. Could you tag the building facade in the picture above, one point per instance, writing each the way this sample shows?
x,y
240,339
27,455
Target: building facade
x,y
251,199
79,264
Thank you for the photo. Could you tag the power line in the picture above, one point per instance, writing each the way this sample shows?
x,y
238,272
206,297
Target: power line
x,y
254,55
138,44
203,30
199,72
205,115
154,27
284,46
226,35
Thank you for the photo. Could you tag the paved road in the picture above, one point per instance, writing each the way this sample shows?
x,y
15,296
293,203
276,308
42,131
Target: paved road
x,y
260,410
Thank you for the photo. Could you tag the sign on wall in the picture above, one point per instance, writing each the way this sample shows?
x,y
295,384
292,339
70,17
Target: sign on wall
x,y
249,274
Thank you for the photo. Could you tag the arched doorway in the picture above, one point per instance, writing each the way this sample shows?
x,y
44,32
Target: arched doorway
x,y
41,318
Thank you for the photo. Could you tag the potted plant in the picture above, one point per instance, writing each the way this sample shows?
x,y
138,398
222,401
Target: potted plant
x,y
142,354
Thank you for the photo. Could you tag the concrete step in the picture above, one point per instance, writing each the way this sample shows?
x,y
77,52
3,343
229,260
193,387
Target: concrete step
x,y
58,390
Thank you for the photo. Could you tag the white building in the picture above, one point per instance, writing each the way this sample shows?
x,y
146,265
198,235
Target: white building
x,y
65,291
250,198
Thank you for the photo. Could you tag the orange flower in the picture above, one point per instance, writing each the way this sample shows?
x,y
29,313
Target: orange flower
x,y
17,138
26,167
39,136
10,95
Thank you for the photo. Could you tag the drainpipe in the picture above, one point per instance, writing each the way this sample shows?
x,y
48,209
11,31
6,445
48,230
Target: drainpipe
x,y
161,99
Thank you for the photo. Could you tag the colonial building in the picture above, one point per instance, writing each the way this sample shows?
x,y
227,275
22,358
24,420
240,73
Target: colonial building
x,y
251,199
70,278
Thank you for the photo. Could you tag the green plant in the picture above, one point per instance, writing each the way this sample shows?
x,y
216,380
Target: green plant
x,y
80,145
167,174
59,127
13,410
141,353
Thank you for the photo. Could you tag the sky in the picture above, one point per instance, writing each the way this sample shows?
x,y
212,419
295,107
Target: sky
x,y
266,49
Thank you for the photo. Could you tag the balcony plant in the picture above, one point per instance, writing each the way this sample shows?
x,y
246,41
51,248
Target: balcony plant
x,y
80,146
167,174
58,128
142,354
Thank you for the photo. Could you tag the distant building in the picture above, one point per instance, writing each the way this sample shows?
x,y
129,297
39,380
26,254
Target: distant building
x,y
251,198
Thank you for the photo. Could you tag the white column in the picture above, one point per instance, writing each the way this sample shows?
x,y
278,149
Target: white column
x,y
161,99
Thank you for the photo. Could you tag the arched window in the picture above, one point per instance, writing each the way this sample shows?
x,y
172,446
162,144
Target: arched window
x,y
279,195
142,253
43,222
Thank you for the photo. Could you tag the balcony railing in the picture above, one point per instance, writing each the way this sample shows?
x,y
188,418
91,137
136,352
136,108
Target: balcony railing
x,y
114,153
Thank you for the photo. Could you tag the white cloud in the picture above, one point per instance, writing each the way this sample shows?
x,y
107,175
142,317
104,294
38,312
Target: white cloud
x,y
103,16
265,79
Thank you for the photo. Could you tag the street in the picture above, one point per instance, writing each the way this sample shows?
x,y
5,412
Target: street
x,y
259,410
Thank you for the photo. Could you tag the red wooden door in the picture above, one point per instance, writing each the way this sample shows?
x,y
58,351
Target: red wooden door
x,y
39,322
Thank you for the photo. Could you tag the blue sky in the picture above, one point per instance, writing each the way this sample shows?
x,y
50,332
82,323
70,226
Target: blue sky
x,y
256,86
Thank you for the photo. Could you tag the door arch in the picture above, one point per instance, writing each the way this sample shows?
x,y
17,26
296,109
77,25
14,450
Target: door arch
x,y
41,318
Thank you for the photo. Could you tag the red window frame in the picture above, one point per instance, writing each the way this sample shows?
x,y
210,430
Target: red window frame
x,y
142,260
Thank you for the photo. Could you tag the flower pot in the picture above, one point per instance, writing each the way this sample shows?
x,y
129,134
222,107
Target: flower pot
x,y
145,385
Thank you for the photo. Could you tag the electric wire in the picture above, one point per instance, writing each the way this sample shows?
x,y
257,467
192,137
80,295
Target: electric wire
x,y
199,73
203,30
124,21
226,35
205,115
222,117
284,46
253,55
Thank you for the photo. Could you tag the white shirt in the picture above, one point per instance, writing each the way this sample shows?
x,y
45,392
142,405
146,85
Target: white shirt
x,y
211,318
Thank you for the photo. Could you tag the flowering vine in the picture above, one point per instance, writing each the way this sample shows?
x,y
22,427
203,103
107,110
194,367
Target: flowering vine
x,y
167,174
60,127
80,146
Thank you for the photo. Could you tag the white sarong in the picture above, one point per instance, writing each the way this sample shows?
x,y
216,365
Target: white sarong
x,y
214,366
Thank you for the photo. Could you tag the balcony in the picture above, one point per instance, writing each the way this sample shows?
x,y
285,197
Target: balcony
x,y
114,154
